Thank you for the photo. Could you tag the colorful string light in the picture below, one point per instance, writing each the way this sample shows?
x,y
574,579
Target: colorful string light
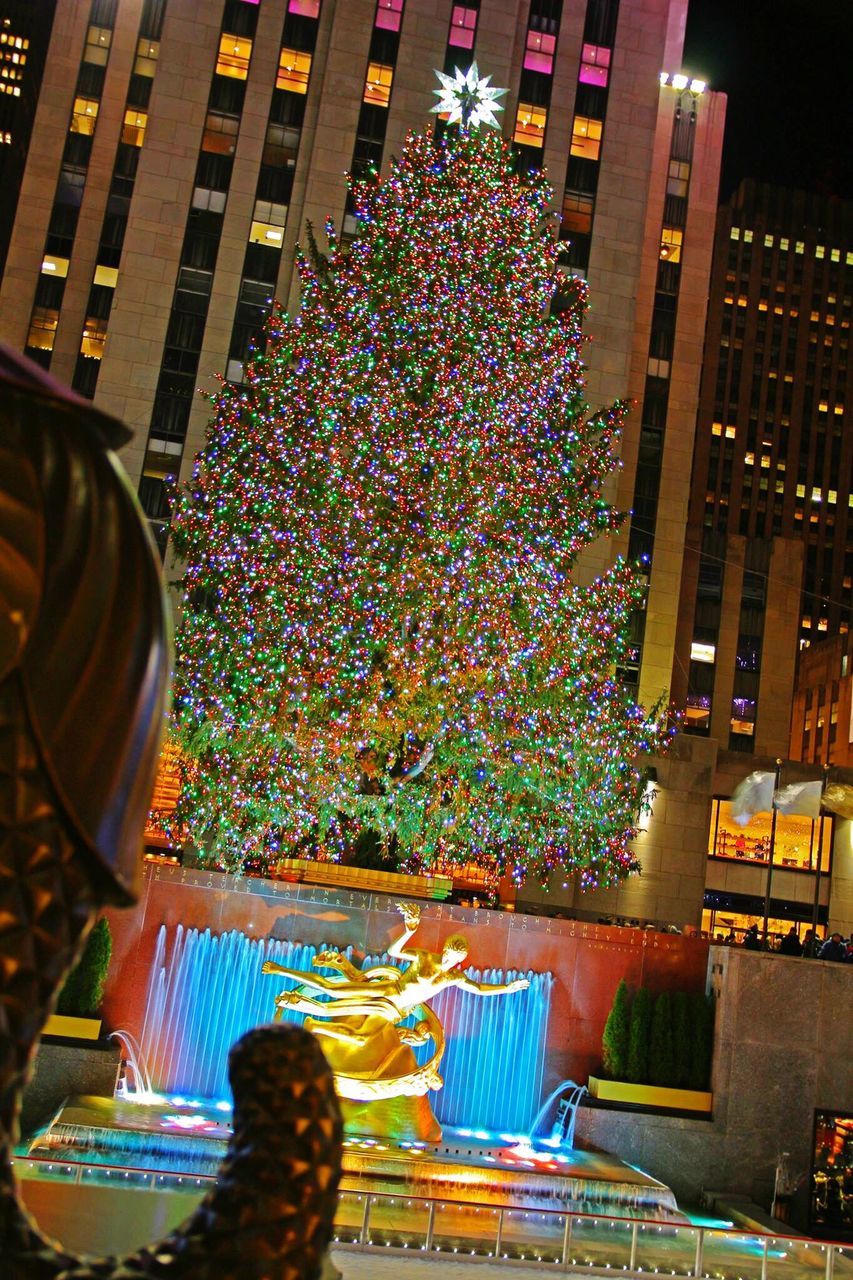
x,y
381,639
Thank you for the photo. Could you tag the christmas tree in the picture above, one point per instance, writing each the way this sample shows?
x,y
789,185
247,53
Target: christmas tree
x,y
381,638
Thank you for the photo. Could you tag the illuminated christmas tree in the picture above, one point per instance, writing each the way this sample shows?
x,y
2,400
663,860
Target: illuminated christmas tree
x,y
381,637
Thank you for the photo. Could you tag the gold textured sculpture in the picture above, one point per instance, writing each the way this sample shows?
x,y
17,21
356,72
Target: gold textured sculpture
x,y
84,660
359,1019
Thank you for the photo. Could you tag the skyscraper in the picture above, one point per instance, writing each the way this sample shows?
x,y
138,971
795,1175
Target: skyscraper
x,y
24,35
769,562
180,149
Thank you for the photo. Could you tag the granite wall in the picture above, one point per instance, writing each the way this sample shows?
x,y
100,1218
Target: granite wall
x,y
783,1046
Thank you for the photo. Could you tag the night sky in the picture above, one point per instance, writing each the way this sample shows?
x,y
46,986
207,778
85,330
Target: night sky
x,y
786,68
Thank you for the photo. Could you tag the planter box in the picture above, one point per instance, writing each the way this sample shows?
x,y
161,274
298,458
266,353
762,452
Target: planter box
x,y
63,1024
651,1095
394,882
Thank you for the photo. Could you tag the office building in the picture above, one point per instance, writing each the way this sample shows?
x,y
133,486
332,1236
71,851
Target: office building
x,y
179,150
24,35
769,561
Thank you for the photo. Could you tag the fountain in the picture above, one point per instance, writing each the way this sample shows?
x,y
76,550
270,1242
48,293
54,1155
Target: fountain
x,y
206,990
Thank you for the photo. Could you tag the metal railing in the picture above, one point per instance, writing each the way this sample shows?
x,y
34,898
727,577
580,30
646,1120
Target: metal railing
x,y
583,1243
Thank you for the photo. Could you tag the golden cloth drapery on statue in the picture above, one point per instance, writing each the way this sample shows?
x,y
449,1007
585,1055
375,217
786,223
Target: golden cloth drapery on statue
x,y
381,1086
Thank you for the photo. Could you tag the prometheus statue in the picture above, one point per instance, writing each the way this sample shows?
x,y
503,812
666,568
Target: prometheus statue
x,y
358,1014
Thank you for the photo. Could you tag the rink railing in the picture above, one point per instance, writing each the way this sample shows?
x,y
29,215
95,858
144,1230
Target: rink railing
x,y
582,1243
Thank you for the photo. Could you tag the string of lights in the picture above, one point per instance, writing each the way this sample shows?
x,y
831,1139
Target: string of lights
x,y
381,640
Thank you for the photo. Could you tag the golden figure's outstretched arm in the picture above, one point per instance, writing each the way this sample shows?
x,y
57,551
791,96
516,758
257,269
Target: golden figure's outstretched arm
x,y
411,914
313,980
490,988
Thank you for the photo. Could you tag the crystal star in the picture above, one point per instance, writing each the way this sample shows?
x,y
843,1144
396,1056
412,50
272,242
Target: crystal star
x,y
467,99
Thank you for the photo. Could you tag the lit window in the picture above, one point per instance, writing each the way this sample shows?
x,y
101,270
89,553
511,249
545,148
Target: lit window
x,y
463,24
816,495
800,247
577,213
106,275
133,132
735,233
658,368
147,53
97,48
768,242
294,68
595,65
234,55
377,89
703,652
749,459
84,115
731,432
539,52
801,490
716,428
43,328
271,212
747,236
819,251
94,337
305,8
220,133
670,243
389,14
832,496
783,244
679,175
266,233
54,266
206,198
586,137
530,125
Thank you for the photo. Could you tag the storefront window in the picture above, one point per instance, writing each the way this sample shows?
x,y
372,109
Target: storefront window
x,y
721,925
795,842
831,1200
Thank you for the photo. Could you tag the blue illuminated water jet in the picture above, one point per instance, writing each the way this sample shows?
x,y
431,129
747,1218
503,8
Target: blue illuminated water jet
x,y
207,989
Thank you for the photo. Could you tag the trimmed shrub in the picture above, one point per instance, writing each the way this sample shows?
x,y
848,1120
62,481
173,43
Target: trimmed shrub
x,y
661,1069
701,1040
614,1041
681,1040
83,991
638,1038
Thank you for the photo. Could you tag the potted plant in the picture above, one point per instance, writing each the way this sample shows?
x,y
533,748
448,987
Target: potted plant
x,y
656,1052
80,999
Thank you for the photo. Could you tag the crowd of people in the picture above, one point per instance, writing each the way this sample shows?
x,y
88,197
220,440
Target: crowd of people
x,y
810,946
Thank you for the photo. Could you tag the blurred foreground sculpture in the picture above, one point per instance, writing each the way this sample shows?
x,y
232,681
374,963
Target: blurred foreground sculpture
x,y
83,675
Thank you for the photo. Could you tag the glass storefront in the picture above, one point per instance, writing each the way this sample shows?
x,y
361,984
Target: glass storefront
x,y
831,1190
795,841
729,925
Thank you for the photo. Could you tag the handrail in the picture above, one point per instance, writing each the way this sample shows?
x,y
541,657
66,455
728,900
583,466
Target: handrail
x,y
444,1201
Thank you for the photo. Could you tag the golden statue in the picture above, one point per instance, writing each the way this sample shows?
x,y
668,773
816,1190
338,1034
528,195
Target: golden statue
x,y
359,1018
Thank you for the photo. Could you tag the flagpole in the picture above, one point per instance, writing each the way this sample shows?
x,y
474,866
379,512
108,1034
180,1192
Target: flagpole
x,y
821,820
772,850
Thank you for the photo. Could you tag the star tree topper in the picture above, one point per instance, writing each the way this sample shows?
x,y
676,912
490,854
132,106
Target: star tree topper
x,y
467,99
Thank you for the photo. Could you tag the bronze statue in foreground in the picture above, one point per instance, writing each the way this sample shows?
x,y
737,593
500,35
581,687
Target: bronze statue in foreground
x,y
83,674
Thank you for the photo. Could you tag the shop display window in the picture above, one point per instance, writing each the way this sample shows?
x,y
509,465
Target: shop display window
x,y
729,927
795,841
831,1186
